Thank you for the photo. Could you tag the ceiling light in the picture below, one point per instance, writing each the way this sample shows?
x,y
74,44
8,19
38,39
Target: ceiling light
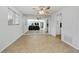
x,y
41,12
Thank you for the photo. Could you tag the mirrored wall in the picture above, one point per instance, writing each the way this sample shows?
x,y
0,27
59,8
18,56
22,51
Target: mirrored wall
x,y
13,17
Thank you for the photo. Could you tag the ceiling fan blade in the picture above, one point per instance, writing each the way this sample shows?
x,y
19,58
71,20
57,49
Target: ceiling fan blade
x,y
48,7
42,10
37,9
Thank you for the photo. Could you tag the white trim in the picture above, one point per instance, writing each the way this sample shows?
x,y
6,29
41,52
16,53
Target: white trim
x,y
70,44
25,32
11,42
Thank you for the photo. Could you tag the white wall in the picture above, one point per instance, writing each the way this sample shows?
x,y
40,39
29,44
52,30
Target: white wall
x,y
70,25
70,17
8,34
25,27
52,24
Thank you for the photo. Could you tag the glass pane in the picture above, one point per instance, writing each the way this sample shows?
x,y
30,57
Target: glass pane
x,y
13,18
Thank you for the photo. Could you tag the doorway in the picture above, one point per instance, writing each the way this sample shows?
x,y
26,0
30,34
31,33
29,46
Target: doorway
x,y
36,26
59,25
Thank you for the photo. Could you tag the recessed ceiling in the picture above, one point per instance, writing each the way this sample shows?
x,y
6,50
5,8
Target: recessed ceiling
x,y
29,9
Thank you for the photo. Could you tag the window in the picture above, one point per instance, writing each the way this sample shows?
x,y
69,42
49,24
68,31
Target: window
x,y
13,17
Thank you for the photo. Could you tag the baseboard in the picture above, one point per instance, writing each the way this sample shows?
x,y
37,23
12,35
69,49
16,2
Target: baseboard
x,y
25,31
53,35
70,44
11,42
58,35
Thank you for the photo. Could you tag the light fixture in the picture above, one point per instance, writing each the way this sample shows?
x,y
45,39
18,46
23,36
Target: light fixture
x,y
42,10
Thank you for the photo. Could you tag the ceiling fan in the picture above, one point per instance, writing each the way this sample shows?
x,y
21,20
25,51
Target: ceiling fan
x,y
42,10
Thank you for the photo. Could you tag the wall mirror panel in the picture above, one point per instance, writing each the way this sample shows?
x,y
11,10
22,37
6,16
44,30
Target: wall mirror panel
x,y
13,17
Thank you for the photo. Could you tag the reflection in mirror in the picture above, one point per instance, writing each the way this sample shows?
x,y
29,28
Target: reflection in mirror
x,y
13,17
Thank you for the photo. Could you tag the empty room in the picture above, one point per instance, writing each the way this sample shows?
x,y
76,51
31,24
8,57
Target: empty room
x,y
39,29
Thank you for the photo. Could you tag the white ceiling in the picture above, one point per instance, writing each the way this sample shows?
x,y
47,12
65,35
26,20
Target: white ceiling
x,y
29,9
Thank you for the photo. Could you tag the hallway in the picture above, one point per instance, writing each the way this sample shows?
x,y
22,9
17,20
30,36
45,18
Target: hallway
x,y
39,44
24,23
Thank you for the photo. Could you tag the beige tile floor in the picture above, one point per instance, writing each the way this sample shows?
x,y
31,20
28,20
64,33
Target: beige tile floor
x,y
40,43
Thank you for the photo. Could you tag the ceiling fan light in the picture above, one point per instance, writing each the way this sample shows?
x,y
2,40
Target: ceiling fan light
x,y
41,12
